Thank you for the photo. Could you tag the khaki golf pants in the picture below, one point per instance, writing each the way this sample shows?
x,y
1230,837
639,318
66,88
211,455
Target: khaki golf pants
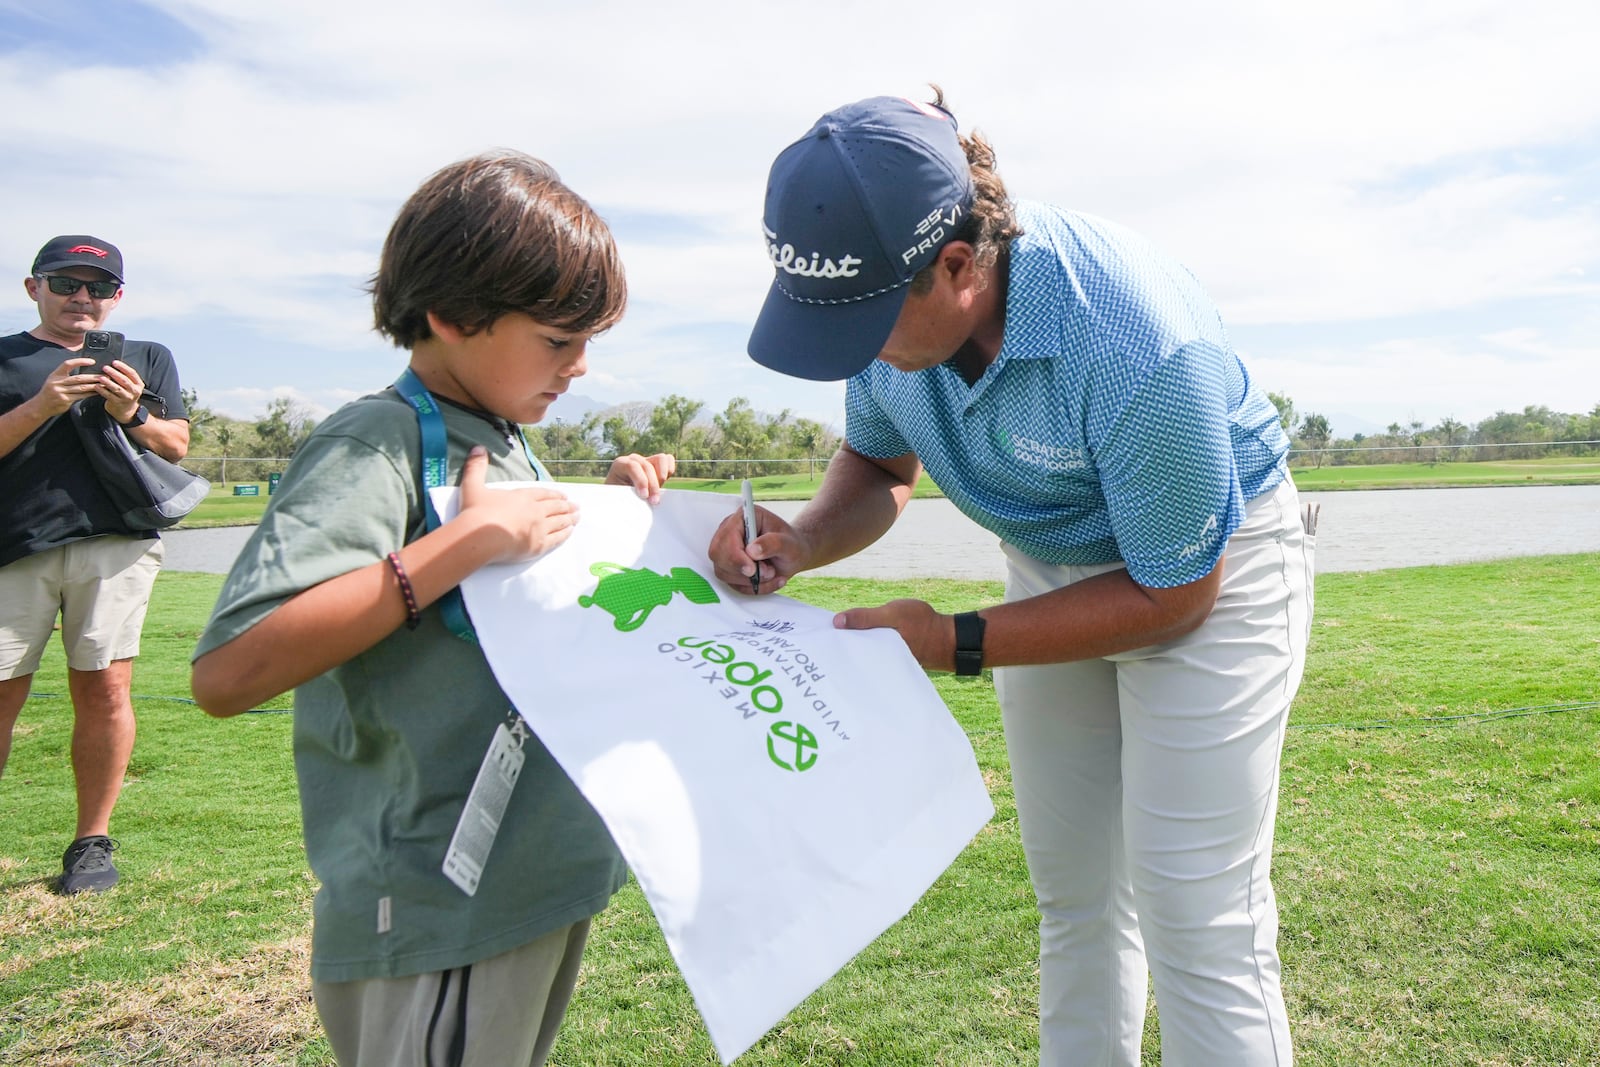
x,y
1146,787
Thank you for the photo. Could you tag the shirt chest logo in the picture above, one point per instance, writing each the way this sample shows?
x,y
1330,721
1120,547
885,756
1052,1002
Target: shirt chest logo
x,y
1040,454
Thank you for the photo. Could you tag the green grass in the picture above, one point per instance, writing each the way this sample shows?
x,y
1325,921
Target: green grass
x,y
1551,471
222,508
1438,864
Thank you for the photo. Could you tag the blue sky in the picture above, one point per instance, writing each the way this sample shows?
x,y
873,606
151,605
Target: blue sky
x,y
1396,206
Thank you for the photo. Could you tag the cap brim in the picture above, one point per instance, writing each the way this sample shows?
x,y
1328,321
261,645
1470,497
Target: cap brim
x,y
823,342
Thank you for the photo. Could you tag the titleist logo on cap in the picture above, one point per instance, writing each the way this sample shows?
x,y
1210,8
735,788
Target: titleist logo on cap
x,y
786,259
930,233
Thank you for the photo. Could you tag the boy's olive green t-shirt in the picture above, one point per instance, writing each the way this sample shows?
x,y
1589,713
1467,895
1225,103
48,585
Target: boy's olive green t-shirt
x,y
387,746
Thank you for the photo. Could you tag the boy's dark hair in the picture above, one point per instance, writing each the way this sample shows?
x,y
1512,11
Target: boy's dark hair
x,y
495,234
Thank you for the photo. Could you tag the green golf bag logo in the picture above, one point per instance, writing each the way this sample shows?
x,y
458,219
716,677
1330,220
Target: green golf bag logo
x,y
631,595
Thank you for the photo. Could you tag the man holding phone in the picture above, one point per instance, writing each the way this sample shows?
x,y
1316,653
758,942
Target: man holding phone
x,y
63,547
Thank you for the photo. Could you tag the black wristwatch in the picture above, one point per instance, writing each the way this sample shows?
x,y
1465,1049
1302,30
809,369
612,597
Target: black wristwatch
x,y
969,644
141,415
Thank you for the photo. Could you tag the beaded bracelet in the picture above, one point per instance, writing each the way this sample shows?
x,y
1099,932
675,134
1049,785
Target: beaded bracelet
x,y
413,616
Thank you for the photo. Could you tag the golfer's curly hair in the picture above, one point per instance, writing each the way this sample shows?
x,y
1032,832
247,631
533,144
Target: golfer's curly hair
x,y
992,223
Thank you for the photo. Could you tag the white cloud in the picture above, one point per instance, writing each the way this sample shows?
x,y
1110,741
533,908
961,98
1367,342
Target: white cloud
x,y
1431,378
1320,169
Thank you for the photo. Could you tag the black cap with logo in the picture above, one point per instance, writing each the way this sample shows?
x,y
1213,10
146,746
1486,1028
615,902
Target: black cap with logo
x,y
79,250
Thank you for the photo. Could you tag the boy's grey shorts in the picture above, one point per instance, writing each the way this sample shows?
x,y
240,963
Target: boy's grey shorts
x,y
504,1011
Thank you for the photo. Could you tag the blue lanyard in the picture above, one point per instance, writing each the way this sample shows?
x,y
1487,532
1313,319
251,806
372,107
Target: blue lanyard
x,y
436,473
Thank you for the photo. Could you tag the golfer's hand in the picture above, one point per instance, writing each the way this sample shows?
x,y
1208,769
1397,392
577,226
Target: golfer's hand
x,y
778,551
647,474
930,636
529,521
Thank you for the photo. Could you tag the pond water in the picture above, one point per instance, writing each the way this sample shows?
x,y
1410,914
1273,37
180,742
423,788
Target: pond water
x,y
1358,531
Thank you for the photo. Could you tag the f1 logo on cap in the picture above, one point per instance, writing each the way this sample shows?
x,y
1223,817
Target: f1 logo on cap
x,y
91,249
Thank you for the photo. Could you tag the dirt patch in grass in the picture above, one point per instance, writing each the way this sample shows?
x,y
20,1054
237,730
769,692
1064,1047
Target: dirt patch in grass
x,y
248,1012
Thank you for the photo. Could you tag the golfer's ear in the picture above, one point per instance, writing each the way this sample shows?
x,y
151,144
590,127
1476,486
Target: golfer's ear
x,y
958,260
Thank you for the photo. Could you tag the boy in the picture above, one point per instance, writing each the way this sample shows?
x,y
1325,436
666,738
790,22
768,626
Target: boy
x,y
429,946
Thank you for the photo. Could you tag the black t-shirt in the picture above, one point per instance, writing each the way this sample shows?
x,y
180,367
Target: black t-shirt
x,y
49,495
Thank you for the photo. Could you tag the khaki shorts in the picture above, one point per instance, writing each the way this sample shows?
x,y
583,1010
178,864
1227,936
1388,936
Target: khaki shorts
x,y
100,587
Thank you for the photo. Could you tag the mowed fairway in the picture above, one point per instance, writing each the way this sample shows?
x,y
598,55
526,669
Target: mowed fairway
x,y
1438,864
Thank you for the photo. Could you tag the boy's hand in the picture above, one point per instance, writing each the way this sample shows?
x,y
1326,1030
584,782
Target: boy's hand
x,y
533,521
645,473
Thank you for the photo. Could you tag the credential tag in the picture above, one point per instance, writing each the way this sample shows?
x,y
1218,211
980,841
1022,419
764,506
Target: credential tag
x,y
480,819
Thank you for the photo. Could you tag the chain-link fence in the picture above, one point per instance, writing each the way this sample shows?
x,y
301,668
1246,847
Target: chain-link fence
x,y
226,470
696,468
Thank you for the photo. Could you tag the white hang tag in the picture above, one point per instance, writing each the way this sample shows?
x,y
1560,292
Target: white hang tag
x,y
480,819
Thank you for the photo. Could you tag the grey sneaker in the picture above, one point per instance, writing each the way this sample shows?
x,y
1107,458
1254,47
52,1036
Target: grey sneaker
x,y
86,867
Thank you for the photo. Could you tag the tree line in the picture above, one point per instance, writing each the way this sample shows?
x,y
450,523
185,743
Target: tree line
x,y
264,444
1533,432
740,442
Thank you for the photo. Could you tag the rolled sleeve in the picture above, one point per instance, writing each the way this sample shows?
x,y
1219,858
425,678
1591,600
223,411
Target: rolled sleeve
x,y
1168,472
867,427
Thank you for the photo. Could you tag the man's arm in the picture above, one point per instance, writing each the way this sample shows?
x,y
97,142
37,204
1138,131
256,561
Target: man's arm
x,y
167,438
1099,616
859,499
123,390
59,392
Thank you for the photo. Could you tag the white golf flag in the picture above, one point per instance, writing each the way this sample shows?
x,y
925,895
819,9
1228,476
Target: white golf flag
x,y
783,791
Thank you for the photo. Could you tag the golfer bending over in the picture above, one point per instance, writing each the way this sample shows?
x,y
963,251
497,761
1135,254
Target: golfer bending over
x,y
1070,388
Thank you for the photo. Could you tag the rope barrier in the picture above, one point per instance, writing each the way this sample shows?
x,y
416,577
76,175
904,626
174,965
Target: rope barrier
x,y
1468,719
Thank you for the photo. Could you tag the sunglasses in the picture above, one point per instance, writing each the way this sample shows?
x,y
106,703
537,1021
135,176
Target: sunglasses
x,y
61,285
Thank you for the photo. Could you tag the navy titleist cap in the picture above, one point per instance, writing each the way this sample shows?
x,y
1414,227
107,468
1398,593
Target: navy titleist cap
x,y
854,209
79,250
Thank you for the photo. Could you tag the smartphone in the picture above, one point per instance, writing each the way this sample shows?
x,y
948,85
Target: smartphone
x,y
105,346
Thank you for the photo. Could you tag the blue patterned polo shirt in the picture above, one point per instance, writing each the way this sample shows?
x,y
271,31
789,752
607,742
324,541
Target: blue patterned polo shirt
x,y
1116,423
